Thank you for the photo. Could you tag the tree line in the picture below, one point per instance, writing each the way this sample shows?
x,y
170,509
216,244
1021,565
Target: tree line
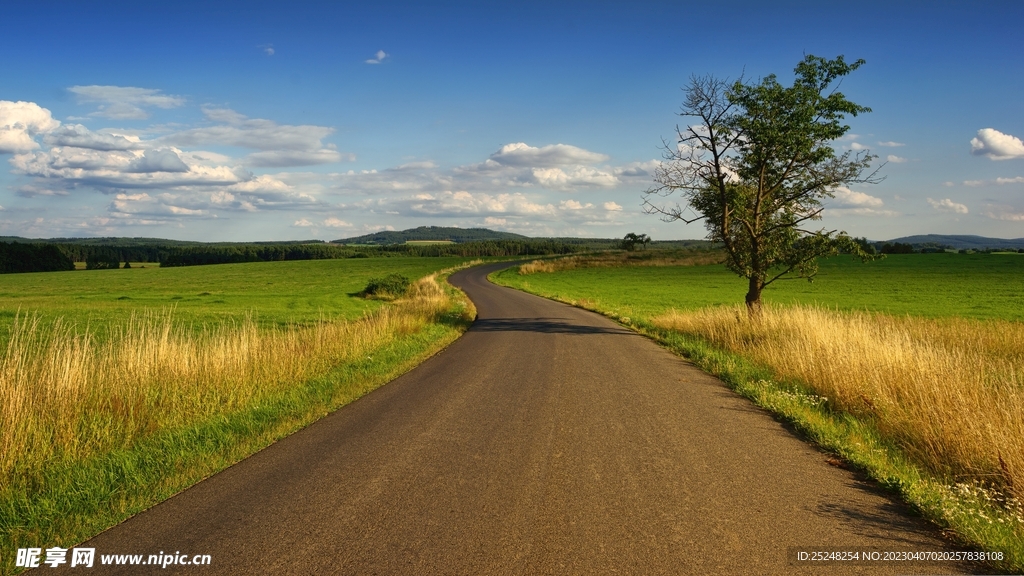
x,y
19,257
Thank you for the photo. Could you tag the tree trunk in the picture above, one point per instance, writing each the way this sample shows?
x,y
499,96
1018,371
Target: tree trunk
x,y
754,297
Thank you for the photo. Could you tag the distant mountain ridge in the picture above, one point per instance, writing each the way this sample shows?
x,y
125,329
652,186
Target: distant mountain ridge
x,y
458,235
960,242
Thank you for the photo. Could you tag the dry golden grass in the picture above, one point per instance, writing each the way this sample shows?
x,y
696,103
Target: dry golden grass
x,y
617,259
65,395
950,392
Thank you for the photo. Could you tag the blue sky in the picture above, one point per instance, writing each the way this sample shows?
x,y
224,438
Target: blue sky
x,y
274,121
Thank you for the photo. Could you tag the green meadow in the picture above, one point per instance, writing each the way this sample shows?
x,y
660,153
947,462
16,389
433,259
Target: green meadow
x,y
982,286
272,293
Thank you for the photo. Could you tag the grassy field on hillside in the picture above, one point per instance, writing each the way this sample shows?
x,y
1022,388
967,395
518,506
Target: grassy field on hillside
x,y
274,293
911,368
984,286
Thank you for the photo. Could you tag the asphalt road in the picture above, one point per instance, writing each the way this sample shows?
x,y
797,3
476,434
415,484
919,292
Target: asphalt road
x,y
546,440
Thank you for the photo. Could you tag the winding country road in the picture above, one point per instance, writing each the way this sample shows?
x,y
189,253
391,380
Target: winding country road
x,y
546,440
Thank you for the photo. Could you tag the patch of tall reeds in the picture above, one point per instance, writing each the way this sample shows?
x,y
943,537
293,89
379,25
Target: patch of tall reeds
x,y
949,392
66,395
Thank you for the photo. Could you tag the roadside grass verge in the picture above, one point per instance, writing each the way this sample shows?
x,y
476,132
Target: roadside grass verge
x,y
96,431
931,408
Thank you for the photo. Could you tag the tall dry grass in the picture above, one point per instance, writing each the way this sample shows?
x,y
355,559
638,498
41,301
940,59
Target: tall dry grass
x,y
66,395
618,259
950,392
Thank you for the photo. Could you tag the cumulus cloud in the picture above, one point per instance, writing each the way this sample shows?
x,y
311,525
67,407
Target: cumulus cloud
x,y
157,161
125,102
857,146
852,203
303,223
78,136
612,207
947,205
996,145
846,198
19,122
333,222
573,205
568,179
378,57
115,169
521,154
891,144
268,49
895,159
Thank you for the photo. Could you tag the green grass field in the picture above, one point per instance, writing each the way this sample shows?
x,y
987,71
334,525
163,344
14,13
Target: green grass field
x,y
275,293
86,445
931,285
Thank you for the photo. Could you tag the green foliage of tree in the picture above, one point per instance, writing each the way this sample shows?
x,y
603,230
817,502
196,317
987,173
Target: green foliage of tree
x,y
755,165
390,286
897,248
19,257
632,240
102,260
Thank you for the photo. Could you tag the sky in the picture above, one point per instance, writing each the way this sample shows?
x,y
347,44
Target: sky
x,y
260,121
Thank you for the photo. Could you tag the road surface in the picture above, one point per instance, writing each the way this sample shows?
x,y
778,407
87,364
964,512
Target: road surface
x,y
546,440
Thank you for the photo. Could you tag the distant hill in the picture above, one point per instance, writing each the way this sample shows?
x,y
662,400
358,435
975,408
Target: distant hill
x,y
965,242
458,235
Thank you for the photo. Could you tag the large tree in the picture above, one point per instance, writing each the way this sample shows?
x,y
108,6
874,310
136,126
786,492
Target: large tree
x,y
755,162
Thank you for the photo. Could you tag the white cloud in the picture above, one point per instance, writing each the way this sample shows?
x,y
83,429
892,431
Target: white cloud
x,y
998,181
125,102
19,122
459,203
303,223
857,146
142,204
852,203
492,221
160,160
947,205
562,179
573,205
895,159
115,169
1005,214
279,144
846,198
520,154
891,144
268,49
612,207
996,145
378,57
333,222
78,136
637,169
